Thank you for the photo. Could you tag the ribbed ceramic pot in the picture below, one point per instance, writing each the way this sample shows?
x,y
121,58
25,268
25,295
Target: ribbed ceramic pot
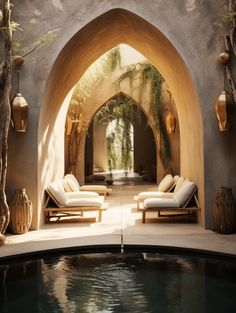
x,y
20,212
224,212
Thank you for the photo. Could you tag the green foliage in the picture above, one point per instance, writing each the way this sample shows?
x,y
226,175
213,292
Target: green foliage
x,y
144,73
226,18
16,46
112,59
138,76
48,38
111,151
121,110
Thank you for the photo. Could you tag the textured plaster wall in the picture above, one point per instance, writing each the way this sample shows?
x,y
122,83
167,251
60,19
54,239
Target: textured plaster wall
x,y
187,61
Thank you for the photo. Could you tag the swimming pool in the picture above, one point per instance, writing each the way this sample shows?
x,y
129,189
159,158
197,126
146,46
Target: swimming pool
x,y
137,282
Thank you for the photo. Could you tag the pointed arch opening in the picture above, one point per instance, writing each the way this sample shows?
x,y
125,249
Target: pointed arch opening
x,y
106,124
82,50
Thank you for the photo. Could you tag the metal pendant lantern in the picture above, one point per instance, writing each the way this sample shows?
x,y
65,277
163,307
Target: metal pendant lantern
x,y
170,123
170,120
222,109
19,108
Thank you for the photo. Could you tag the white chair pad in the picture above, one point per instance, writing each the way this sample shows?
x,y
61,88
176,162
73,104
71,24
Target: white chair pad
x,y
154,194
85,202
166,183
160,203
57,190
93,188
72,182
82,194
179,183
182,195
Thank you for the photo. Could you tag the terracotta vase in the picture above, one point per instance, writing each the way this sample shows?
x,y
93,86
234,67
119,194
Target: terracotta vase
x,y
224,212
20,212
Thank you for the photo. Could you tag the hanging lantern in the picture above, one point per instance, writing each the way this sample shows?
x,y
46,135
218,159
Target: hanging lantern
x,y
19,110
170,118
222,109
170,123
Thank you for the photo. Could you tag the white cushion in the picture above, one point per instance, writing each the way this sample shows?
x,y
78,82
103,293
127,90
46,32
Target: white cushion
x,y
176,177
166,183
184,192
160,203
57,190
154,194
67,187
97,202
82,194
93,187
179,184
72,182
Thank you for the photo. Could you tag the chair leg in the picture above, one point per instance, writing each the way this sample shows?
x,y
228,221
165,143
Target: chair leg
x,y
144,217
100,215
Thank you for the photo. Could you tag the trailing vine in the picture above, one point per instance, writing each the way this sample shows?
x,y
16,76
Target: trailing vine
x,y
144,73
121,110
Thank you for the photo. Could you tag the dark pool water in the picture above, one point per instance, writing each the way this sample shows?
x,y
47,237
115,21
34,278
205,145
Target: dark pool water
x,y
112,282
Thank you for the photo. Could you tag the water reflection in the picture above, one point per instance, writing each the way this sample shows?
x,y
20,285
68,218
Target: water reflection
x,y
113,283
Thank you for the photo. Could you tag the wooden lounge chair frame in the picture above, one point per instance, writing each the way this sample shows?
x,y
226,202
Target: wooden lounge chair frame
x,y
183,210
62,211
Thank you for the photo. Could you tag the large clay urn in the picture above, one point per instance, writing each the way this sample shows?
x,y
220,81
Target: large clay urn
x,y
224,212
20,212
19,109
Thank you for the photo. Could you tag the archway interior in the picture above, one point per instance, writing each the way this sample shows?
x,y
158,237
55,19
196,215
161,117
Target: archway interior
x,y
114,140
83,49
104,143
121,68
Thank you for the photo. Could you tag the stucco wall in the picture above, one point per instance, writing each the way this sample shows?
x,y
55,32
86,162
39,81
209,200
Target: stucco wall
x,y
192,27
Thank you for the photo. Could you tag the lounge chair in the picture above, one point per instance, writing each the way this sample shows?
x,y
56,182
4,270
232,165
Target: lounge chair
x,y
164,189
70,204
71,184
179,202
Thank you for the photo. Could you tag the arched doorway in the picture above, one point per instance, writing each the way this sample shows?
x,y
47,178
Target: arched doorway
x,y
83,49
143,137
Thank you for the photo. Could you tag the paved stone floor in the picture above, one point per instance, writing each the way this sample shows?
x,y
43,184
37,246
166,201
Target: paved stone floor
x,y
121,225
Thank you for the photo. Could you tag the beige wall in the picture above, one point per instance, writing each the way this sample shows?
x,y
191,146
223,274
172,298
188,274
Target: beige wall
x,y
100,147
